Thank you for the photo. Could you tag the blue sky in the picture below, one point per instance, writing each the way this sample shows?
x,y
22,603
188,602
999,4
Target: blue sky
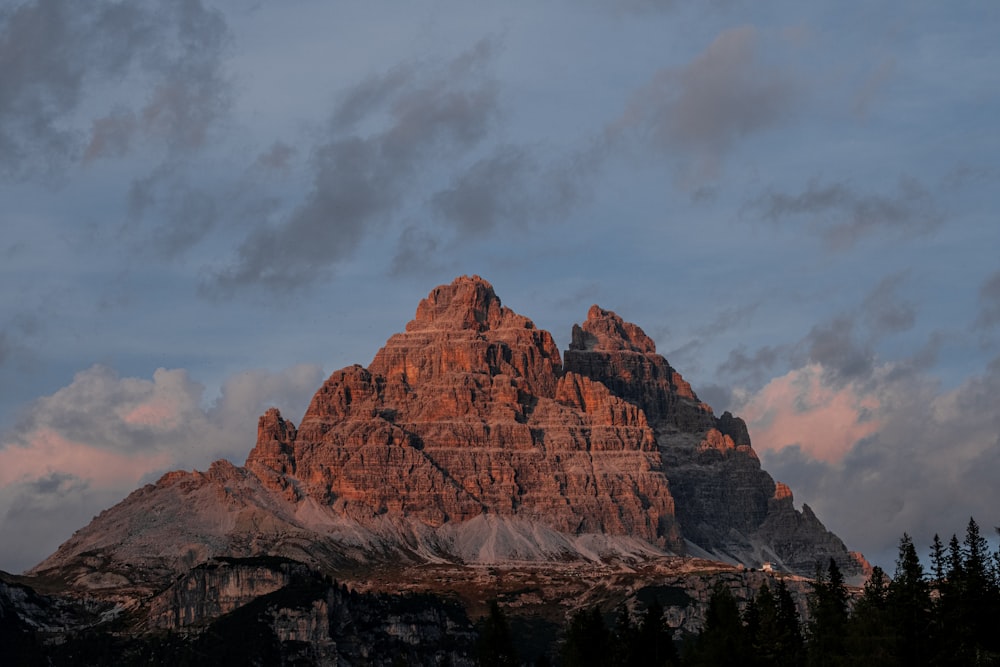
x,y
209,206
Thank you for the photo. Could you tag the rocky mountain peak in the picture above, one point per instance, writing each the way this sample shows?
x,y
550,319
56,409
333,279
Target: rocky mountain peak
x,y
466,303
605,331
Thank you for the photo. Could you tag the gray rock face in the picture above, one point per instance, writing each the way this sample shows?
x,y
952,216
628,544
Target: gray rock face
x,y
724,502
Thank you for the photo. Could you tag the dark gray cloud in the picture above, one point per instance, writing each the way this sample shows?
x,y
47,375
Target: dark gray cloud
x,y
702,109
844,345
43,512
843,216
726,319
989,301
884,312
835,346
277,157
752,369
482,197
57,483
417,253
507,188
359,179
718,396
54,52
167,214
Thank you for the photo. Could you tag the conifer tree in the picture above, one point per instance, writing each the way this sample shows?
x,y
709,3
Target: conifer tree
x,y
588,642
828,622
871,639
978,594
655,639
792,648
765,631
495,647
625,642
723,640
909,604
938,561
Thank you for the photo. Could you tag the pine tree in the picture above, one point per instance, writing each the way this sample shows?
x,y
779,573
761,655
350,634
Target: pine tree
x,y
979,594
871,639
955,560
828,622
723,640
588,642
938,561
909,604
764,629
495,646
792,647
625,644
655,639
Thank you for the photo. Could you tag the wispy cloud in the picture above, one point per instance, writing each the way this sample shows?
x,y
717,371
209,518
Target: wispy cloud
x,y
989,300
360,174
54,52
701,110
842,216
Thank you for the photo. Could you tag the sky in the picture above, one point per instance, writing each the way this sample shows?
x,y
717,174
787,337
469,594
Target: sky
x,y
210,206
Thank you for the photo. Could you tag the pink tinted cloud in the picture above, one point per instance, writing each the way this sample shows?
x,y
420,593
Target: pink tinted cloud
x,y
150,414
800,408
46,452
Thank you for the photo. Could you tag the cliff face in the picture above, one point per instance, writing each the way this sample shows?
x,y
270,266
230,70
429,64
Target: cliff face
x,y
468,413
258,611
468,439
725,503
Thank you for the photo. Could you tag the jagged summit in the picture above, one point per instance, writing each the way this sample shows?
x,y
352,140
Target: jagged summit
x,y
605,331
466,303
468,439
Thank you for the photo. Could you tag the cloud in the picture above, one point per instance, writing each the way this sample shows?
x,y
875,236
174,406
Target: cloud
x,y
58,56
175,215
873,85
277,157
843,345
481,198
384,133
842,216
704,108
6,348
91,442
802,409
989,300
892,454
884,312
417,252
507,188
834,346
753,369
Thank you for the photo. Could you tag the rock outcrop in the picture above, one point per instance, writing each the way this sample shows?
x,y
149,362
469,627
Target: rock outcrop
x,y
469,439
468,413
725,503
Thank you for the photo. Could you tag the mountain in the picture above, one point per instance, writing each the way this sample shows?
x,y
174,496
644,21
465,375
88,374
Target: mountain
x,y
469,446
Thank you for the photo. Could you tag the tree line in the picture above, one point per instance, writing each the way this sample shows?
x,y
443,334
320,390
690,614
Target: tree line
x,y
945,614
